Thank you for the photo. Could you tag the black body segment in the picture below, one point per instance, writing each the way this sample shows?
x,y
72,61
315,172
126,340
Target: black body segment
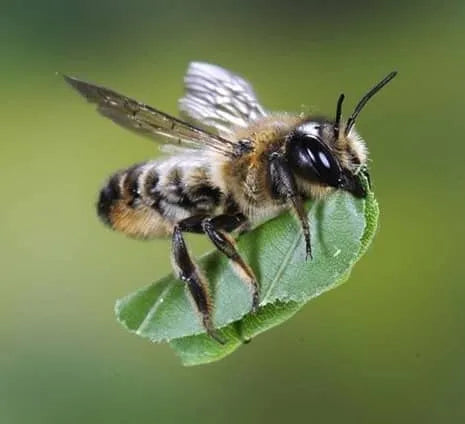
x,y
108,195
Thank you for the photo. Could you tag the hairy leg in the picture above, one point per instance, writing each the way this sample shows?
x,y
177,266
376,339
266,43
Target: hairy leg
x,y
215,228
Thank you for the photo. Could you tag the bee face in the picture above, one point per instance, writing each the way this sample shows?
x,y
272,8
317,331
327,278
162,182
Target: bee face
x,y
318,153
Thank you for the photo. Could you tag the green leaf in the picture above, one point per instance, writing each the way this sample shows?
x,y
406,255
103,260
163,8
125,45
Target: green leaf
x,y
342,228
200,349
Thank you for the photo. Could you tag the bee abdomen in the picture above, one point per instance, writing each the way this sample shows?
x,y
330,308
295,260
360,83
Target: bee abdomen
x,y
146,200
122,207
109,194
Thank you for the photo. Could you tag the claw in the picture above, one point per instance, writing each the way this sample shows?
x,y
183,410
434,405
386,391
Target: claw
x,y
255,302
308,247
214,334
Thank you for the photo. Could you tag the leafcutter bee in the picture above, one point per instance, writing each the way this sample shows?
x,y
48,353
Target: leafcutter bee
x,y
234,164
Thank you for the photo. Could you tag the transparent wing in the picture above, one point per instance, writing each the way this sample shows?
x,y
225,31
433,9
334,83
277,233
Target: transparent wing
x,y
218,98
148,121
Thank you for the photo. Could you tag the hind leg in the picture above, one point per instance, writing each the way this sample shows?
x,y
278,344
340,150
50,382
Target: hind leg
x,y
189,273
215,228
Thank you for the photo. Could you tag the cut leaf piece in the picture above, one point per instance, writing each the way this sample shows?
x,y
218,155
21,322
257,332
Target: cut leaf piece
x,y
341,227
200,349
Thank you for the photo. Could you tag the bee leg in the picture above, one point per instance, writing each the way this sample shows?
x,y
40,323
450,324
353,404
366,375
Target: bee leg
x,y
215,228
190,274
284,187
299,209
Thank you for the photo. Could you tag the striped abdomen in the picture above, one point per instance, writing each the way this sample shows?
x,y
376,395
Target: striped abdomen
x,y
147,199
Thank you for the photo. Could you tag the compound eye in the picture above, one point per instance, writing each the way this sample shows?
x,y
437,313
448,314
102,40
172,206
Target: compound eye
x,y
313,160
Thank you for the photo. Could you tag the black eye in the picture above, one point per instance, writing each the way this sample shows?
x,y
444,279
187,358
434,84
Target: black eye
x,y
312,160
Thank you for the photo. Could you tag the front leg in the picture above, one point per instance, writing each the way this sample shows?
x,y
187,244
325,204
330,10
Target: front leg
x,y
283,186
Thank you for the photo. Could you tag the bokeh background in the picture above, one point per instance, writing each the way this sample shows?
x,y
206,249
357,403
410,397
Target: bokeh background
x,y
388,346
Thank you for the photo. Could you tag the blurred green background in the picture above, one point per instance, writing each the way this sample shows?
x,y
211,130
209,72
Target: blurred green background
x,y
388,346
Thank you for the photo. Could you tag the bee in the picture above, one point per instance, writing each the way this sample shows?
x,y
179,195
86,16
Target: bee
x,y
232,165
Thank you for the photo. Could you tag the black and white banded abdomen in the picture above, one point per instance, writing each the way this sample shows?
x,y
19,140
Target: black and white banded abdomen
x,y
147,199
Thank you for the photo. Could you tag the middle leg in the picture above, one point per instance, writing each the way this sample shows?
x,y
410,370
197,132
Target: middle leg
x,y
216,228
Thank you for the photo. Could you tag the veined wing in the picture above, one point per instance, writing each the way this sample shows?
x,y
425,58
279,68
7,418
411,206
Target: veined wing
x,y
219,99
148,121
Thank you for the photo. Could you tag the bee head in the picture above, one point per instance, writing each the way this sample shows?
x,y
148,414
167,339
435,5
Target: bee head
x,y
331,152
314,155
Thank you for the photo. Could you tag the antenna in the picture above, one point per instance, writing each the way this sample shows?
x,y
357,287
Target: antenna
x,y
337,122
364,100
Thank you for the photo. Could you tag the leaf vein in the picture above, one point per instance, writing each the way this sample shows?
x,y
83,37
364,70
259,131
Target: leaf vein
x,y
282,267
154,308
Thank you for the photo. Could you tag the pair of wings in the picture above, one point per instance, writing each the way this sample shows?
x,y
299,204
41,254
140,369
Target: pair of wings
x,y
214,98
